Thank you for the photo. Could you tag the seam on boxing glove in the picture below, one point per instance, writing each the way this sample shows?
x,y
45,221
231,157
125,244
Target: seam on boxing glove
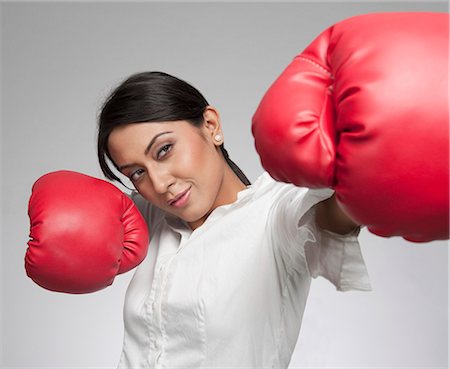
x,y
317,65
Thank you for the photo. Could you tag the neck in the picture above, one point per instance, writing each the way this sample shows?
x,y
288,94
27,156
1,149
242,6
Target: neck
x,y
230,186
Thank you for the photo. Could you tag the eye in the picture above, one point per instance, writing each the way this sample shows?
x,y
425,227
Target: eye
x,y
136,175
165,149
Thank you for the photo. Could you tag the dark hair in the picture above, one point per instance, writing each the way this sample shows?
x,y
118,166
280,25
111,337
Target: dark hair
x,y
151,97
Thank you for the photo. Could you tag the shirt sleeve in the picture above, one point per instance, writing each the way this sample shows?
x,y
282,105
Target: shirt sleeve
x,y
304,244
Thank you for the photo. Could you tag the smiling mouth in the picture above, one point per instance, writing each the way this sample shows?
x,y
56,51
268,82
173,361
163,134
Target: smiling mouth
x,y
180,196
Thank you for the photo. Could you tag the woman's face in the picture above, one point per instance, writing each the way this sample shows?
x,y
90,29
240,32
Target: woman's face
x,y
167,159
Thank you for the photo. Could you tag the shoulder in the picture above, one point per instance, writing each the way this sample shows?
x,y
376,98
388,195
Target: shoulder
x,y
287,199
277,189
267,184
285,189
281,199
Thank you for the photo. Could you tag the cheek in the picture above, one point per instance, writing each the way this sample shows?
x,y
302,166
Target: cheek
x,y
206,166
194,158
146,191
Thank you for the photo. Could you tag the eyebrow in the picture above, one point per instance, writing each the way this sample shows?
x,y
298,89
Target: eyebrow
x,y
147,149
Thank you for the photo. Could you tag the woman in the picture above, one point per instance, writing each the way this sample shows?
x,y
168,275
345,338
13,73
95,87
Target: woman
x,y
229,267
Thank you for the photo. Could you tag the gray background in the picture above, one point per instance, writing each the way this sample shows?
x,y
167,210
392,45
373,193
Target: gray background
x,y
59,60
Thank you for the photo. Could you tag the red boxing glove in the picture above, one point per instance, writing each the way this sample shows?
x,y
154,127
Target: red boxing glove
x,y
84,231
364,110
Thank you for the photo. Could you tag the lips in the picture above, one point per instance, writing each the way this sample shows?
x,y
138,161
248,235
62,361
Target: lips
x,y
170,202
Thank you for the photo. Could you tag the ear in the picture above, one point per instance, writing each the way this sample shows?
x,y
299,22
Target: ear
x,y
213,125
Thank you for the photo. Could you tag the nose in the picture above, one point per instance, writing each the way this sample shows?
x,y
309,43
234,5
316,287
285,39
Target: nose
x,y
160,178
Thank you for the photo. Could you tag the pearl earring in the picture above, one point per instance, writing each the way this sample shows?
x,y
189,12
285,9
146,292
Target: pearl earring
x,y
218,137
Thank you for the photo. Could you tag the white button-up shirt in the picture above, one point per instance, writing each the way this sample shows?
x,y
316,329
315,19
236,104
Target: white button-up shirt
x,y
232,292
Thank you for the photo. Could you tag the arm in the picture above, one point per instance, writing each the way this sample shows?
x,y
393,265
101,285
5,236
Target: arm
x,y
300,245
331,217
